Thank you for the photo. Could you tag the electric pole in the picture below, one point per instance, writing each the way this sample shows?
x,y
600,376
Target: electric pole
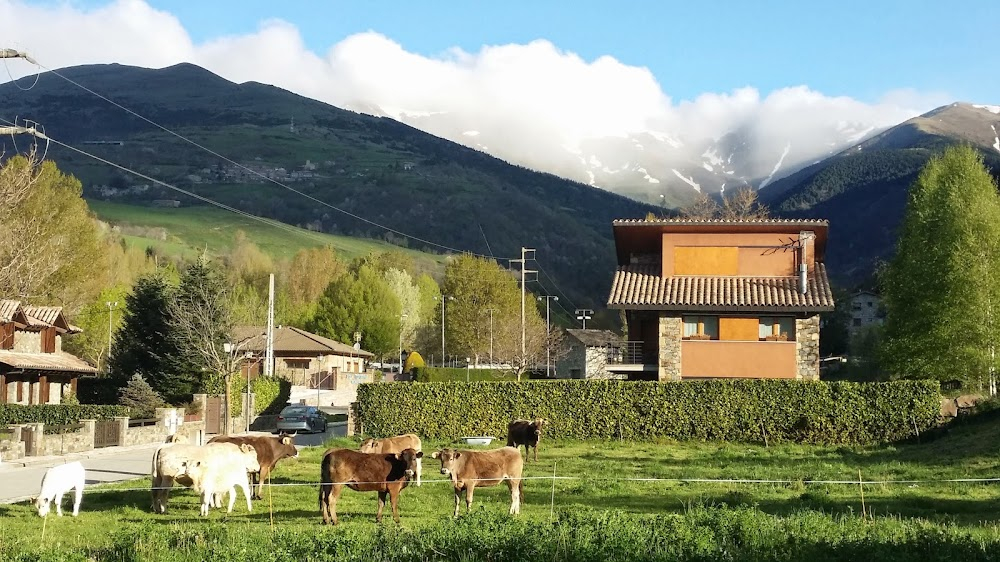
x,y
584,314
524,271
548,330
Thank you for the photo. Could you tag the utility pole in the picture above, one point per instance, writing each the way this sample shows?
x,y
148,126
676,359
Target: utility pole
x,y
269,338
548,330
584,314
491,311
444,298
14,54
111,307
524,271
400,356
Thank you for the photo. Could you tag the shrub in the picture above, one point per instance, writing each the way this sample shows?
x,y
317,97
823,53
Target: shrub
x,y
452,374
741,410
57,414
140,397
271,394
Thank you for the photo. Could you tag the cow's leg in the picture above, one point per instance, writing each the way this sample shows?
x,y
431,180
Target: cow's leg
x,y
324,499
246,493
232,499
468,498
536,452
381,504
458,492
206,501
58,501
394,499
331,506
257,481
77,499
515,495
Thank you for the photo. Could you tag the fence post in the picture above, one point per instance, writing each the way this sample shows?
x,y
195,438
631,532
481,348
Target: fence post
x,y
37,436
122,429
353,421
88,430
15,431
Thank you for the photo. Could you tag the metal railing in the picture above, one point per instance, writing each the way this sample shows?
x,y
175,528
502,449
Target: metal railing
x,y
626,353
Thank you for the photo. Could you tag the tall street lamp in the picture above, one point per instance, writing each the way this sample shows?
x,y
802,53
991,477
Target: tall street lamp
x,y
401,318
111,307
548,354
444,298
491,311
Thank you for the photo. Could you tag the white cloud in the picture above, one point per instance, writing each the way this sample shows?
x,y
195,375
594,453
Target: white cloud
x,y
534,103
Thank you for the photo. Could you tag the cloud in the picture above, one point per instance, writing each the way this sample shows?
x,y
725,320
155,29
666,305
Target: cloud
x,y
534,104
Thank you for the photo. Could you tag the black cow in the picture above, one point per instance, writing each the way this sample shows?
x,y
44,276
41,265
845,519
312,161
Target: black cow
x,y
527,433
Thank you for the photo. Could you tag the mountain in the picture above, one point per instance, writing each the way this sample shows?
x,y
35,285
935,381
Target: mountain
x,y
380,174
863,189
662,167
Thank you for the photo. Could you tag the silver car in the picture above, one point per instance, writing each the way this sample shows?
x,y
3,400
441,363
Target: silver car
x,y
297,418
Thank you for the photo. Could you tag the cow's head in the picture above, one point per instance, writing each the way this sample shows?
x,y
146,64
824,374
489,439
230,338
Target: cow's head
x,y
286,446
410,456
42,505
538,424
447,458
367,446
250,457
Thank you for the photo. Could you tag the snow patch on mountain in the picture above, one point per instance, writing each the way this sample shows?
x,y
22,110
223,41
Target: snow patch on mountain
x,y
470,133
593,180
713,156
664,137
996,137
707,166
860,135
646,176
990,108
689,181
777,166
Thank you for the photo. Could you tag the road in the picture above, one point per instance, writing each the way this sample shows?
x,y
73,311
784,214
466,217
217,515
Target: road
x,y
113,464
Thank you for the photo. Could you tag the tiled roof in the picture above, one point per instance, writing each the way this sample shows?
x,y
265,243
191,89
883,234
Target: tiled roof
x,y
642,287
45,362
684,222
288,339
595,338
47,314
7,309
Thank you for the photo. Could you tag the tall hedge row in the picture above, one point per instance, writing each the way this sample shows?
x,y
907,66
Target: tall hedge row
x,y
57,414
740,410
454,374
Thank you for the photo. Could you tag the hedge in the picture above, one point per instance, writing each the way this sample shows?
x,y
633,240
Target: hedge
x,y
736,410
271,394
452,374
57,414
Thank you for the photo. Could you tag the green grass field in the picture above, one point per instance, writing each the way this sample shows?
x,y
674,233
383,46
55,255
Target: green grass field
x,y
597,482
191,230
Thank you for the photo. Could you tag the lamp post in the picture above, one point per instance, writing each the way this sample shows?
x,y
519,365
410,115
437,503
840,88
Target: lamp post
x,y
230,349
400,356
444,298
468,368
491,311
584,315
111,307
548,351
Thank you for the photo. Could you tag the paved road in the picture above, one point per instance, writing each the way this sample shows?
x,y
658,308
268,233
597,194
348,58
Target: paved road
x,y
22,479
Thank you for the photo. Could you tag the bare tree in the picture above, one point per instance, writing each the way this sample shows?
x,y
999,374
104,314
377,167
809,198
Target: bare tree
x,y
743,204
703,208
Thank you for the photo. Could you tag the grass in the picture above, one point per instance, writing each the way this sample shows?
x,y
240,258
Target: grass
x,y
188,231
597,489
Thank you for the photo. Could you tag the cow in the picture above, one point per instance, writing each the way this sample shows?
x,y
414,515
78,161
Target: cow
x,y
386,474
469,469
527,433
270,450
57,481
175,463
213,478
395,445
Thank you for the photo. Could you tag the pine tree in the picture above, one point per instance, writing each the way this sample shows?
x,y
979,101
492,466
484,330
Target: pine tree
x,y
942,294
140,397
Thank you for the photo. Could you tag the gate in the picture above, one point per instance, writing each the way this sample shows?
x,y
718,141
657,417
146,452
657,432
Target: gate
x,y
106,434
213,414
28,437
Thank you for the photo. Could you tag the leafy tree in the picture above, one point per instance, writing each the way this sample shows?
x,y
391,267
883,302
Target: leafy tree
x,y
95,319
140,397
408,294
304,281
361,302
246,262
941,291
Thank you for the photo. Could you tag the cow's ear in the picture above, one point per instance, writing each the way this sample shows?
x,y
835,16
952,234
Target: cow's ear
x,y
457,454
246,448
420,454
435,454
286,440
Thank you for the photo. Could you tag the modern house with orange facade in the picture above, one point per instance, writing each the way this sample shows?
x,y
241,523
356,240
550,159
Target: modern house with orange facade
x,y
720,299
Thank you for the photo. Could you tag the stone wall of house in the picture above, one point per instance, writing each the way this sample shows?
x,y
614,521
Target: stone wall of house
x,y
670,331
597,364
63,443
573,363
807,347
28,342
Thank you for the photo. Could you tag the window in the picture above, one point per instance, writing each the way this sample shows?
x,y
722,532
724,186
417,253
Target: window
x,y
857,322
776,328
297,363
701,327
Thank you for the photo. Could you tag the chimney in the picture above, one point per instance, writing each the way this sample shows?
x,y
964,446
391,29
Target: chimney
x,y
805,237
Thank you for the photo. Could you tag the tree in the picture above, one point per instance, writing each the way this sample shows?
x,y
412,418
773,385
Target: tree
x,y
140,397
360,302
98,323
737,204
408,294
941,291
305,279
50,246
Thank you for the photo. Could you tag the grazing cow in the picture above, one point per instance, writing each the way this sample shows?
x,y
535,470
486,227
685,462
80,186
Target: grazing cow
x,y
469,469
395,444
386,474
176,463
214,478
527,433
57,481
270,450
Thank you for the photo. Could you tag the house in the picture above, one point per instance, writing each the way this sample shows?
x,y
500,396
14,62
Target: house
x,y
588,353
866,310
304,358
33,367
721,298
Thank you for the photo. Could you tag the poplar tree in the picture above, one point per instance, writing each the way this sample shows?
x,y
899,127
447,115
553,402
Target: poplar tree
x,y
942,291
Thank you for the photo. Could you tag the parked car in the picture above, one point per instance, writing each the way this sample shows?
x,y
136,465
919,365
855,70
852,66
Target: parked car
x,y
302,418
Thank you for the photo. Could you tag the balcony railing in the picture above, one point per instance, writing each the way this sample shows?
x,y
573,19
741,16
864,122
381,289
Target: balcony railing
x,y
627,353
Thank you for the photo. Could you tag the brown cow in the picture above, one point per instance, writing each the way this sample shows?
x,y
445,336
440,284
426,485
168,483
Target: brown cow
x,y
386,474
469,469
527,433
270,450
394,445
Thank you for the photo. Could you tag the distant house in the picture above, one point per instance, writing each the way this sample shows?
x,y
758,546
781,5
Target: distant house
x,y
33,367
721,299
866,310
304,358
587,354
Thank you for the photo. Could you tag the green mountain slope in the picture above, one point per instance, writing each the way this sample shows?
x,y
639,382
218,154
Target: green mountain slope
x,y
862,191
375,168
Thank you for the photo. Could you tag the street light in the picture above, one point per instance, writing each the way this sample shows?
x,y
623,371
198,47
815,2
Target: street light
x,y
548,351
491,311
444,298
468,368
401,318
111,307
584,314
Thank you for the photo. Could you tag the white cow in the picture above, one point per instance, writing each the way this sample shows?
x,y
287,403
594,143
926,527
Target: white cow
x,y
57,481
214,478
182,463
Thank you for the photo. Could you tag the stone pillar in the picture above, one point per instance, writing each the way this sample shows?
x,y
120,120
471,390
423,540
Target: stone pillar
x,y
202,401
353,420
807,348
15,431
88,432
670,331
122,422
37,436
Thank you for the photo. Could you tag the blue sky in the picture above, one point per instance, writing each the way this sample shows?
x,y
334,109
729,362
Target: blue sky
x,y
852,48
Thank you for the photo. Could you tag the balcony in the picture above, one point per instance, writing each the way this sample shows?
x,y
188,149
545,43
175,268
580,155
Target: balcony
x,y
630,356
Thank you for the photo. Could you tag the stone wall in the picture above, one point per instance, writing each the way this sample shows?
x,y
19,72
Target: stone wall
x,y
63,443
807,347
670,331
